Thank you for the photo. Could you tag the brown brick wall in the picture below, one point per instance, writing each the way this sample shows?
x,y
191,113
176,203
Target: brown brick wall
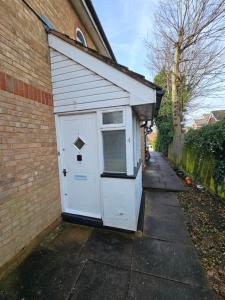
x,y
23,41
29,191
29,188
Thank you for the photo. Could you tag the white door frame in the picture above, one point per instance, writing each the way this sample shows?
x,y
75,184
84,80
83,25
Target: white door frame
x,y
60,152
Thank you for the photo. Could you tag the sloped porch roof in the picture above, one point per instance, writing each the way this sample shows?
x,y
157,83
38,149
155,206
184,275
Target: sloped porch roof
x,y
145,96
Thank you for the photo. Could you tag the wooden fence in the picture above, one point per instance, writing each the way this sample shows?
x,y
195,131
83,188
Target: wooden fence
x,y
200,170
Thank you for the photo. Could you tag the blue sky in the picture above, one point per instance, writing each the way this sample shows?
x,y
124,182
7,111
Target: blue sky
x,y
127,24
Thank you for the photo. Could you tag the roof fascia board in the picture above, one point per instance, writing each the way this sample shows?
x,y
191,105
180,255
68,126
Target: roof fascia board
x,y
136,100
89,23
134,87
93,22
94,17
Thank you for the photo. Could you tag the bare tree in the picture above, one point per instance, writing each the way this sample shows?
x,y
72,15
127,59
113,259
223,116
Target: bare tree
x,y
188,44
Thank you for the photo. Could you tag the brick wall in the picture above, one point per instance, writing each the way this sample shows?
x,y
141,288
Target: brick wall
x,y
29,188
29,200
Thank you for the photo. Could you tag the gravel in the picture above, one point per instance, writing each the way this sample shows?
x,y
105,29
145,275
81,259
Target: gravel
x,y
206,224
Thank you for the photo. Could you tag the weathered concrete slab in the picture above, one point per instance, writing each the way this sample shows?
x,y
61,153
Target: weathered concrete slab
x,y
109,247
164,219
82,263
166,229
143,286
167,212
101,281
46,274
70,239
168,260
159,175
164,198
49,272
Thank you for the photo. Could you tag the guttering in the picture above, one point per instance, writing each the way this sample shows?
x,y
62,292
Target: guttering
x,y
159,94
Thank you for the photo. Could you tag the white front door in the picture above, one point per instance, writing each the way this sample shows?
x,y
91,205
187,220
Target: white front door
x,y
79,163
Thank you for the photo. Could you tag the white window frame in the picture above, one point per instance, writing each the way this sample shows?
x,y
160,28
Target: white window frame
x,y
127,126
77,39
119,125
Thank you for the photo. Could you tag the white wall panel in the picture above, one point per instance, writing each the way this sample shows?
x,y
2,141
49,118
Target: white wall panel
x,y
119,205
74,84
138,192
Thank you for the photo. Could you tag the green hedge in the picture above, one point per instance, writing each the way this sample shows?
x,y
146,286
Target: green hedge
x,y
204,155
164,125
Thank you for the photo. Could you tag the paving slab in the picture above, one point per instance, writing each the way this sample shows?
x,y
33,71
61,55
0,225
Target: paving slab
x,y
101,281
70,240
49,271
159,175
168,260
164,218
163,228
25,279
145,287
45,274
167,212
164,198
110,247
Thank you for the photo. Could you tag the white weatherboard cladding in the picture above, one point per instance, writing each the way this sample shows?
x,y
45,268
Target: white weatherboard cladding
x,y
136,89
75,87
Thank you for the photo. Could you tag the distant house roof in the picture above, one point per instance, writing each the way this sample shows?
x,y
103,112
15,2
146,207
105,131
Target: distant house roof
x,y
200,122
206,117
218,114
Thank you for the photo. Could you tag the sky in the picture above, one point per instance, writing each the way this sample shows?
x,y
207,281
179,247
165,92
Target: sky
x,y
128,24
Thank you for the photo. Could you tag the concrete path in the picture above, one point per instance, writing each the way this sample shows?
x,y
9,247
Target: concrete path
x,y
159,175
85,263
166,249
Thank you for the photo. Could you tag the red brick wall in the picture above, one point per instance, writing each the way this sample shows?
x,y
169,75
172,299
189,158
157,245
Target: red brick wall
x,y
29,187
20,88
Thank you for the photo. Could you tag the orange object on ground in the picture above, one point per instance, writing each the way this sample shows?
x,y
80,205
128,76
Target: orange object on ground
x,y
188,180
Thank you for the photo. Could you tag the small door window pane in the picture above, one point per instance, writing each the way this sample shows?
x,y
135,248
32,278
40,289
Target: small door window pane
x,y
114,117
114,150
79,143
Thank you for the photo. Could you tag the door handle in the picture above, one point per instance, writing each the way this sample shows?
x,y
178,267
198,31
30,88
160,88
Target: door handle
x,y
64,172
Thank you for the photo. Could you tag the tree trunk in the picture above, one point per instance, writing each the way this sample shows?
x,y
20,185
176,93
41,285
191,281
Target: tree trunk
x,y
174,93
175,100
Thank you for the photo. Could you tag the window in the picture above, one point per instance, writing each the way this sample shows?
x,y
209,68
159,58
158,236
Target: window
x,y
79,143
114,117
80,37
114,151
